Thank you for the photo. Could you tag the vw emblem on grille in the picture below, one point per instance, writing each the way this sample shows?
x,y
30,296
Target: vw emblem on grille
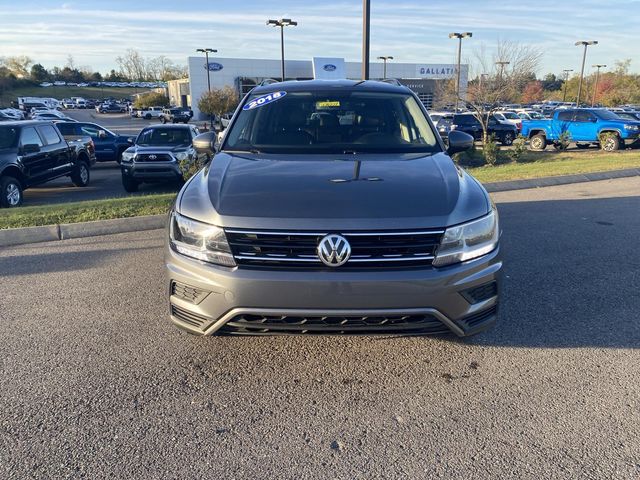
x,y
334,250
153,157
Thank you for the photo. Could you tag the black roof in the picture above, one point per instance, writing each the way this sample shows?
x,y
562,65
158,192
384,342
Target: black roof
x,y
323,85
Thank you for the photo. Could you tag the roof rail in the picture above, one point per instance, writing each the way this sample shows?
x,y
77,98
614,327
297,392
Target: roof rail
x,y
392,81
268,81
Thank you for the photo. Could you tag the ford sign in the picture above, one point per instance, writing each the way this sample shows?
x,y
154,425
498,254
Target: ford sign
x,y
329,67
213,67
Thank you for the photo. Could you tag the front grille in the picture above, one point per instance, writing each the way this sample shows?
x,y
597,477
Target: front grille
x,y
368,249
342,325
188,293
159,157
185,316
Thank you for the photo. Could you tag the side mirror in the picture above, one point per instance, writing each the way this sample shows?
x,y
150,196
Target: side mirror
x,y
31,148
102,134
206,143
130,141
459,142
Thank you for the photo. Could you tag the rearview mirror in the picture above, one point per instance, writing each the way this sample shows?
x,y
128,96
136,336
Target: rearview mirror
x,y
206,143
31,148
459,142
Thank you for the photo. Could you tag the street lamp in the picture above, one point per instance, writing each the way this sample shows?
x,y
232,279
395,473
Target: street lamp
x,y
584,58
206,52
459,36
366,35
566,79
595,90
283,22
384,69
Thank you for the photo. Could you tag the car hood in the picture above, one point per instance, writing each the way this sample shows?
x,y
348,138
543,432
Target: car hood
x,y
353,192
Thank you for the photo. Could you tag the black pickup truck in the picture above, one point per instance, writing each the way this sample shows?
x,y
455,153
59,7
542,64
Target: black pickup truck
x,y
34,152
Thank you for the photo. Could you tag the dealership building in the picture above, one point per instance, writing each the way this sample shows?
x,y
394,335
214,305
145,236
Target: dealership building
x,y
245,73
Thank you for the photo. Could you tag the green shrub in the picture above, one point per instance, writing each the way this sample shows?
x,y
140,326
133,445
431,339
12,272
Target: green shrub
x,y
190,166
490,150
519,148
153,99
564,140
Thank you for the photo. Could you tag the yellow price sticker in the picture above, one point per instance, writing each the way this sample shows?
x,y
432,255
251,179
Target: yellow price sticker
x,y
328,104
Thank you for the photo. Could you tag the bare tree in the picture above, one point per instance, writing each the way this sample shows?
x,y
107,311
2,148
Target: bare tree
x,y
133,65
20,65
499,77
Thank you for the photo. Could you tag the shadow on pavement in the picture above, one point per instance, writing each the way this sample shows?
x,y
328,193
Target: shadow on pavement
x,y
572,275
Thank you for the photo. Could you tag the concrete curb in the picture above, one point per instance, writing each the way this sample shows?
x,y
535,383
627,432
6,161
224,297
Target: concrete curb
x,y
49,233
560,180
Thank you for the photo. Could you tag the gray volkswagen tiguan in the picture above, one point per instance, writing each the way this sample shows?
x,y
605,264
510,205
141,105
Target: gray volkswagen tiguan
x,y
333,207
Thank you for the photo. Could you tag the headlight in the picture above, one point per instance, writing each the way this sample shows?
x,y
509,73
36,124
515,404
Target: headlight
x,y
180,156
127,156
200,241
468,241
633,128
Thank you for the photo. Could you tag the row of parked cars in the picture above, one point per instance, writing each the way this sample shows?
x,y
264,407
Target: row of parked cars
x,y
610,129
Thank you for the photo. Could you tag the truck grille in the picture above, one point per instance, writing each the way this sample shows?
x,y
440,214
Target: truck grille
x,y
368,249
341,325
159,157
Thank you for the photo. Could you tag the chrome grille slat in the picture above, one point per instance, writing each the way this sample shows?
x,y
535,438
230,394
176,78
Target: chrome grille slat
x,y
289,249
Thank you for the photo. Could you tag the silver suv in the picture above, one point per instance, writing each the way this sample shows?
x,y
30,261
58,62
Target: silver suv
x,y
333,207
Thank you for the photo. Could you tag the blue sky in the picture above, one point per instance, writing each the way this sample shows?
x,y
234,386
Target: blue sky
x,y
95,32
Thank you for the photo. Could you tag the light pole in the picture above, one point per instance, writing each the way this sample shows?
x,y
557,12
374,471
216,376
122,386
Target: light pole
x,y
283,22
595,90
459,36
366,34
384,68
566,79
584,58
206,52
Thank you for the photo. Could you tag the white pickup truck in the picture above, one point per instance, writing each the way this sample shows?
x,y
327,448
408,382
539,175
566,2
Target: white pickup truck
x,y
150,112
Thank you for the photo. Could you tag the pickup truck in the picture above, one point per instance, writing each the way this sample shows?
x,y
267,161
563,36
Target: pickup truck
x,y
151,112
34,152
109,145
585,126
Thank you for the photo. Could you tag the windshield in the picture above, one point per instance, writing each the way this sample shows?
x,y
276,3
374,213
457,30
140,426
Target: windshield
x,y
164,137
510,116
606,115
331,122
8,137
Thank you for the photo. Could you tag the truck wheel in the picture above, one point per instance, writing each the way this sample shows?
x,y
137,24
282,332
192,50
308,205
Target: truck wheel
x,y
11,192
538,142
81,176
507,139
611,143
148,116
130,185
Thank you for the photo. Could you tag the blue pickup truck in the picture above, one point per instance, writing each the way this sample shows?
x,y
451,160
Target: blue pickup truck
x,y
585,126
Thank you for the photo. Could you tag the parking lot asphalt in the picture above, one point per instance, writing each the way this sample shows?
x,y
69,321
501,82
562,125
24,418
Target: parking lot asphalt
x,y
96,383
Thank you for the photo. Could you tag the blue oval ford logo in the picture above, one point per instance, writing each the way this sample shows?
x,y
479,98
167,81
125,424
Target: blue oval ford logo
x,y
213,67
329,67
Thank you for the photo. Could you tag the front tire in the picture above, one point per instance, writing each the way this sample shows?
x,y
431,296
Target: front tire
x,y
538,142
148,116
611,143
81,176
12,194
130,185
507,139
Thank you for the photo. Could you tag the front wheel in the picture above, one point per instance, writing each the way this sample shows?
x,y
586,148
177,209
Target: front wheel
x,y
12,195
130,185
611,143
81,176
507,139
538,142
148,116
